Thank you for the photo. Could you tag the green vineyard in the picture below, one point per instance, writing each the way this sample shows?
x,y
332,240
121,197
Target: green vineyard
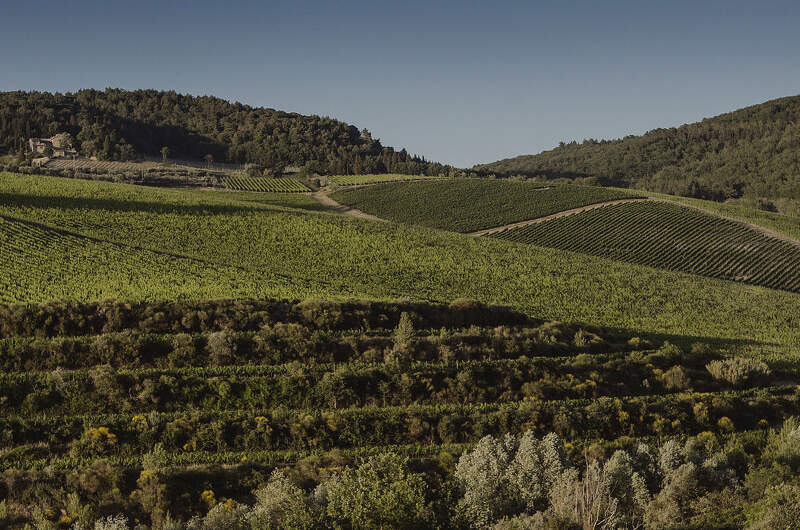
x,y
467,205
263,184
101,390
671,237
355,180
144,243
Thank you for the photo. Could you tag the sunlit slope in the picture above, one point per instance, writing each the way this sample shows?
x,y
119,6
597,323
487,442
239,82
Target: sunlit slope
x,y
40,263
174,244
468,205
671,237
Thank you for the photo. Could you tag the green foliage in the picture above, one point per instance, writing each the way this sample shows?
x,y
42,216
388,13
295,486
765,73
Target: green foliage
x,y
356,180
739,371
263,184
467,205
281,504
500,477
783,446
748,152
779,508
112,522
404,332
254,250
671,237
116,123
380,493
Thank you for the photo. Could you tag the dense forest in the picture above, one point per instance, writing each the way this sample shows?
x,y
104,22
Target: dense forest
x,y
125,125
752,153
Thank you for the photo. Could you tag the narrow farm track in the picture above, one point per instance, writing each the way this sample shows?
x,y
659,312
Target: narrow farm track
x,y
520,224
322,197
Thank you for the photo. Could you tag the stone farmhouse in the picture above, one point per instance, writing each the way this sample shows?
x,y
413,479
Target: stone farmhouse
x,y
60,144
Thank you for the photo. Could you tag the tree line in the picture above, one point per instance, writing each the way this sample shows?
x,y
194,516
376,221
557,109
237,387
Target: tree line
x,y
116,124
751,153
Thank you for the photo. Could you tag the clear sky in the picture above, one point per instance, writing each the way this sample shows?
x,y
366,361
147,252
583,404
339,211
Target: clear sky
x,y
458,82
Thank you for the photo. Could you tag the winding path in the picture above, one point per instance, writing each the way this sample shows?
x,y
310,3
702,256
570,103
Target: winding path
x,y
564,213
322,196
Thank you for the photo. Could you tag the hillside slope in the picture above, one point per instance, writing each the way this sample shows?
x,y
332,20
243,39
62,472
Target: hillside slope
x,y
668,236
753,153
120,125
179,245
468,205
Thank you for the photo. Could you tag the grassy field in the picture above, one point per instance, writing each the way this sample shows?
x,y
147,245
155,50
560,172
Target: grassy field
x,y
468,205
671,237
355,180
261,184
152,244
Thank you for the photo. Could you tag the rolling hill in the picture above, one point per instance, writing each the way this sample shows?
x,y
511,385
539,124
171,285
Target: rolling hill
x,y
659,232
122,125
752,153
671,237
190,245
175,353
469,205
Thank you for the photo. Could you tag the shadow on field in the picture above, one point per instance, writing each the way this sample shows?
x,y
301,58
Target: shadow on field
x,y
120,205
683,341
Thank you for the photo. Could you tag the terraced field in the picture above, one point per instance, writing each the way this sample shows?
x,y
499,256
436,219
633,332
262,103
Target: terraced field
x,y
468,205
263,184
256,385
356,180
670,237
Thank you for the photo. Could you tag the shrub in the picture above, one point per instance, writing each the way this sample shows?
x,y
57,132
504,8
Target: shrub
x,y
585,502
739,371
676,379
481,474
783,446
96,441
221,347
281,504
228,515
404,332
112,522
380,493
780,508
535,468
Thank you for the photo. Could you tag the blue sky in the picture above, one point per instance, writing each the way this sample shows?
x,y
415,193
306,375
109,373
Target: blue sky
x,y
457,82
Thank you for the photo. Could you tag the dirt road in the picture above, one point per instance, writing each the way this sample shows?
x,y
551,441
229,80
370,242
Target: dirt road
x,y
322,197
573,211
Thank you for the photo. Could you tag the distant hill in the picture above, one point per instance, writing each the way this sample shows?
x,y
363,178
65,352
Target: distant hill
x,y
123,125
752,153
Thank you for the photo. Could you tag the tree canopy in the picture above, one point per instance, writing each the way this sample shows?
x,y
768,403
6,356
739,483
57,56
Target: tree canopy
x,y
752,152
116,124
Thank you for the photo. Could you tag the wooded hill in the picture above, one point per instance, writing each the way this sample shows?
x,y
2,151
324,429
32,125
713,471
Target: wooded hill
x,y
123,125
753,152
